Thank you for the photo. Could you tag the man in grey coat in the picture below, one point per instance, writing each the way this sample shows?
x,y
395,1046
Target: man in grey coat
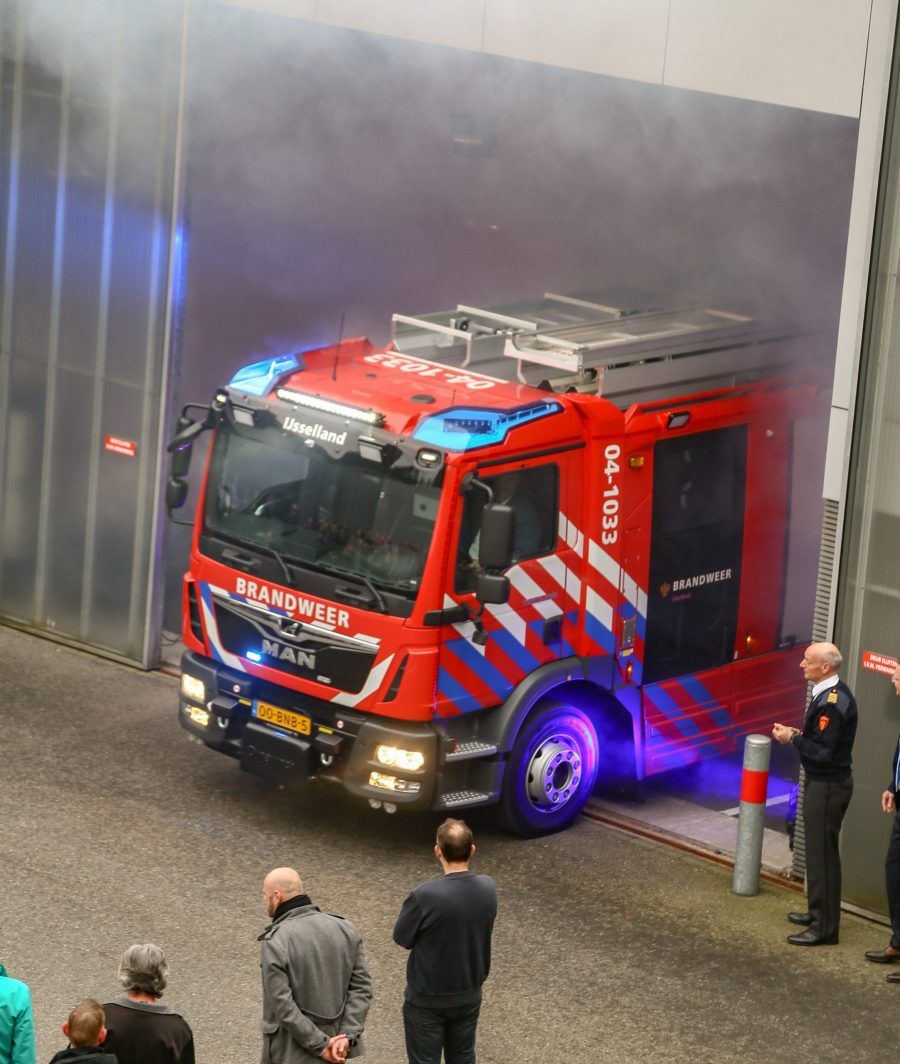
x,y
316,987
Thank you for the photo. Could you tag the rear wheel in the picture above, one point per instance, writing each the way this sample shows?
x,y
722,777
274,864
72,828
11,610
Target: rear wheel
x,y
551,771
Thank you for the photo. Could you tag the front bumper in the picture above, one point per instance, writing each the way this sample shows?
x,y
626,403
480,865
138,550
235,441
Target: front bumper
x,y
339,747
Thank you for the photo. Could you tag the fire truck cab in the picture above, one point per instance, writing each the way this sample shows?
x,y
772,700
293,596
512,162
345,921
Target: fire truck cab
x,y
514,552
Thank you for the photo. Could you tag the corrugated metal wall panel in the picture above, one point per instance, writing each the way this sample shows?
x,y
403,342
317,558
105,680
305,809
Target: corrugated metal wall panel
x,y
89,101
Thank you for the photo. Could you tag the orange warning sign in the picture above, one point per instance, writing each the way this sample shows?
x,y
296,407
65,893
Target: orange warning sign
x,y
119,446
878,662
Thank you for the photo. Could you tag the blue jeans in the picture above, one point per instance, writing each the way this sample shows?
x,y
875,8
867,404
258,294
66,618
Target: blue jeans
x,y
452,1029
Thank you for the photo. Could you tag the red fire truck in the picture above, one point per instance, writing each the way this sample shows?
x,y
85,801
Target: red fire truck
x,y
516,551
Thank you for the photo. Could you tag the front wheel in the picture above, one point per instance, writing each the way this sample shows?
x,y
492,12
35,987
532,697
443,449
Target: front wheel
x,y
551,771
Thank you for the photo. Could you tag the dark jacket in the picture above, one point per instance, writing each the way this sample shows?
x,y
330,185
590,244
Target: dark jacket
x,y
84,1055
446,925
315,984
141,1033
892,786
826,743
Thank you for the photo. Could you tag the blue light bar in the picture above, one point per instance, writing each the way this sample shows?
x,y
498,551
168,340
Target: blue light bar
x,y
253,655
261,377
463,428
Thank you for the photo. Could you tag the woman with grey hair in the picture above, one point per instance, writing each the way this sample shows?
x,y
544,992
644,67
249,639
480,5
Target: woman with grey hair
x,y
139,1029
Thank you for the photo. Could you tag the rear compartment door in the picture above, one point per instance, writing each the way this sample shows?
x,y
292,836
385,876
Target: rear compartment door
x,y
696,547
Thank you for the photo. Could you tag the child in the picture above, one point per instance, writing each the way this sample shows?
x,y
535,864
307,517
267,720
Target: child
x,y
86,1030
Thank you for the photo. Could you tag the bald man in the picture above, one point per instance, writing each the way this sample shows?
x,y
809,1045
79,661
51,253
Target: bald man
x,y
316,986
825,746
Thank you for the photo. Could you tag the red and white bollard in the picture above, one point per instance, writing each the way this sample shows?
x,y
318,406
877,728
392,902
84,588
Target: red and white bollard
x,y
752,816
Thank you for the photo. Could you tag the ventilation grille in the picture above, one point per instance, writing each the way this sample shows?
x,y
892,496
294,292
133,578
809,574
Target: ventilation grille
x,y
194,612
820,634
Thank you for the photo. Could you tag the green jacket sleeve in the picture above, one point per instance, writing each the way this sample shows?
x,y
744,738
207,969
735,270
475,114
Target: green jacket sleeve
x,y
23,1047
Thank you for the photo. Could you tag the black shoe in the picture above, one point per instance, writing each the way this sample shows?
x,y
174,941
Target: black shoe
x,y
883,956
811,938
894,977
803,919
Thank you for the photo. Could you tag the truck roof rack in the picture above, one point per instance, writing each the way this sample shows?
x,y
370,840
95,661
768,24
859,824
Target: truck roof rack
x,y
584,343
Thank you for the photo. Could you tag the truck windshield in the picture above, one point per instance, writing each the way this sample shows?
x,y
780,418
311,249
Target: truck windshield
x,y
342,515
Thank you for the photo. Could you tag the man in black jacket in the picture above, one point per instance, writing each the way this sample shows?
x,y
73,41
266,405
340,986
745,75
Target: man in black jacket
x,y
825,746
446,924
890,803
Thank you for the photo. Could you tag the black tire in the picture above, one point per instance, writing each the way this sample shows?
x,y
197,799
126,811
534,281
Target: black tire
x,y
551,771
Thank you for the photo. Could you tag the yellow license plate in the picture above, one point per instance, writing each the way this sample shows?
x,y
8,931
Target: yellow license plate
x,y
283,718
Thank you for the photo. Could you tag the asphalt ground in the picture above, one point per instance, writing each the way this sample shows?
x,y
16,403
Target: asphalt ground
x,y
114,829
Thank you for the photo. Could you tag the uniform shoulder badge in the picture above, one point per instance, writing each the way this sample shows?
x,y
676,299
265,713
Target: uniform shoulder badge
x,y
823,722
832,698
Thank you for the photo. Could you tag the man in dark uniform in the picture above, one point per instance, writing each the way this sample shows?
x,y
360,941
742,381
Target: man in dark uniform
x,y
825,747
890,803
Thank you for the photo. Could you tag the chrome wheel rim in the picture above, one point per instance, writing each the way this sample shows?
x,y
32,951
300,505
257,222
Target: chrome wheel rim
x,y
553,777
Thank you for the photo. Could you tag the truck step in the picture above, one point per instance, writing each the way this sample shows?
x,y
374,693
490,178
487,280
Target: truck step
x,y
458,798
471,748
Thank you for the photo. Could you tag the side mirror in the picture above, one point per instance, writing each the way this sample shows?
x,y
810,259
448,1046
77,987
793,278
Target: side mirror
x,y
182,443
176,493
496,537
492,589
180,460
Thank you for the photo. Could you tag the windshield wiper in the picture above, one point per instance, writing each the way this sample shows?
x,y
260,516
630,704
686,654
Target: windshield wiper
x,y
375,594
253,545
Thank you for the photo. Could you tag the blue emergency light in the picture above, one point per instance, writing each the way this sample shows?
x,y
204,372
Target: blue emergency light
x,y
261,377
464,428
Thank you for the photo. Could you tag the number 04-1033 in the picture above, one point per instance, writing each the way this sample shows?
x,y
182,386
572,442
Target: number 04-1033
x,y
610,518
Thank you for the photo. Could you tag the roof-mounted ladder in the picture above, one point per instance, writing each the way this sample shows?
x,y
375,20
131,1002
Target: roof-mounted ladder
x,y
579,343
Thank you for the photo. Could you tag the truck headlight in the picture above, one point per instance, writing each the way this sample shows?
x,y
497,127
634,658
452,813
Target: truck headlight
x,y
407,760
193,688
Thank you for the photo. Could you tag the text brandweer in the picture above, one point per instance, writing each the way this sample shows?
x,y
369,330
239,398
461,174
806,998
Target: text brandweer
x,y
699,581
295,605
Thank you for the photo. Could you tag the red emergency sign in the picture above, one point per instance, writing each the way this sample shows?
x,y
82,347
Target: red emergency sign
x,y
119,446
879,662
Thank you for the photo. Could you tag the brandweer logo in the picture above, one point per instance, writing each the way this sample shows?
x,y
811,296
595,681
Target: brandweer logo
x,y
701,580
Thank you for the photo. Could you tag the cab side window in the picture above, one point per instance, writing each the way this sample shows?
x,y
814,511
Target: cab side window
x,y
534,495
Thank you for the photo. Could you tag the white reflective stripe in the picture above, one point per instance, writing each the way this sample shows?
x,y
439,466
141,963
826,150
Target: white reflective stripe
x,y
371,684
511,621
528,589
614,573
563,575
599,608
554,566
213,632
571,534
573,586
603,563
634,594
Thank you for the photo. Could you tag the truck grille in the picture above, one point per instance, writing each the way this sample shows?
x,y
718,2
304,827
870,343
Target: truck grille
x,y
296,649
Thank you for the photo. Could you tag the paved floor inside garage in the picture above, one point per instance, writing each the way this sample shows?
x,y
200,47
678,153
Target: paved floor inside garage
x,y
114,828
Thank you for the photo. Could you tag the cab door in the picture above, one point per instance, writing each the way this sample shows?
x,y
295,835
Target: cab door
x,y
481,661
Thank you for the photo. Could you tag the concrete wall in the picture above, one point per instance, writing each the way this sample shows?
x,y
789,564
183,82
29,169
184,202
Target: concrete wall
x,y
806,53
